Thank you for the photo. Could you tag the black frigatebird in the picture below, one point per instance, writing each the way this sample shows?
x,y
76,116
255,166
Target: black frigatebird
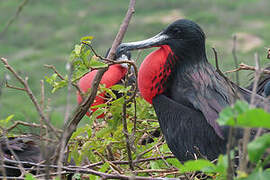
x,y
185,90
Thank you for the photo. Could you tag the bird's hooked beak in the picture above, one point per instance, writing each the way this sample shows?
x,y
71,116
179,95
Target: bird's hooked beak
x,y
157,40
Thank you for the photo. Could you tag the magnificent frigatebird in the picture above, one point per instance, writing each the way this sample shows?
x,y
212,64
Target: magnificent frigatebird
x,y
186,91
114,75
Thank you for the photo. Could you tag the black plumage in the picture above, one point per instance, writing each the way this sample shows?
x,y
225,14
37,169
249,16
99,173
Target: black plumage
x,y
193,94
25,149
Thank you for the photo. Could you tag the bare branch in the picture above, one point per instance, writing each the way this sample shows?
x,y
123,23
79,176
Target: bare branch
x,y
62,78
243,66
216,59
86,170
235,59
14,87
125,130
29,125
85,105
31,95
246,137
55,71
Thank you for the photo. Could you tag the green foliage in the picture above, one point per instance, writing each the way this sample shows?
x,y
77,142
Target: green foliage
x,y
258,175
82,61
197,165
257,147
29,177
241,115
6,122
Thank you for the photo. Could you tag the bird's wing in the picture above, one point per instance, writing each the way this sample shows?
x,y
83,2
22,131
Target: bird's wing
x,y
204,91
186,130
210,102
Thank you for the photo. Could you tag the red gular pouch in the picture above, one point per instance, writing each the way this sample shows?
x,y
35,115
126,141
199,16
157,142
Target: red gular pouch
x,y
111,77
154,72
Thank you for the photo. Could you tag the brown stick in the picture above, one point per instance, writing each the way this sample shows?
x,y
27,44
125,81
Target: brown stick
x,y
244,156
31,95
85,105
125,130
243,66
86,170
29,125
62,78
235,59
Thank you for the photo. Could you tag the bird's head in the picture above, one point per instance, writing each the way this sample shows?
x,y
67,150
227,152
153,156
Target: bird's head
x,y
181,43
184,37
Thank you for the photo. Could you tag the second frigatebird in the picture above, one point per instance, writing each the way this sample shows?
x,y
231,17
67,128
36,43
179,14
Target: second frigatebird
x,y
114,75
185,90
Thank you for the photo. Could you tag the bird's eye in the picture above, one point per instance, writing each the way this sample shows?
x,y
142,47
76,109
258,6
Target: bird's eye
x,y
176,31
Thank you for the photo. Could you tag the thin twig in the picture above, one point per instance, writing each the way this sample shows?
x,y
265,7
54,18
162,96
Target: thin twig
x,y
216,58
62,78
2,170
55,71
113,166
84,170
134,118
12,19
14,87
243,66
29,125
139,156
246,137
6,141
125,129
31,95
85,105
134,162
235,59
230,169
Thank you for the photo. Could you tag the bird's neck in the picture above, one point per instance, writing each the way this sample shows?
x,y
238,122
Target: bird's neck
x,y
190,64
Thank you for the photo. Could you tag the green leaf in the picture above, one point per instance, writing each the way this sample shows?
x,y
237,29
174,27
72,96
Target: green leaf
x,y
104,167
77,49
257,147
29,176
258,175
117,87
221,166
99,106
97,64
154,165
76,176
87,38
79,131
103,132
109,91
59,84
197,165
93,177
174,162
98,112
72,56
241,115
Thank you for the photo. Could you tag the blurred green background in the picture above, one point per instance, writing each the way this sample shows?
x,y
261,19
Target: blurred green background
x,y
46,31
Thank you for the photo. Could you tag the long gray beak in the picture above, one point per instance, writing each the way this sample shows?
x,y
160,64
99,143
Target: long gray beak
x,y
151,42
